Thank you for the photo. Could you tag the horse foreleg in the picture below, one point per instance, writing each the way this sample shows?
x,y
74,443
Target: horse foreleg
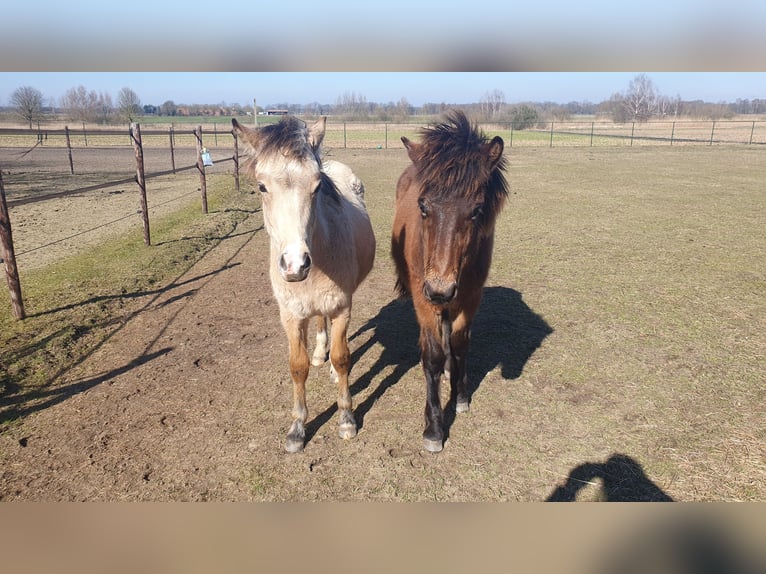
x,y
296,330
433,359
340,358
320,351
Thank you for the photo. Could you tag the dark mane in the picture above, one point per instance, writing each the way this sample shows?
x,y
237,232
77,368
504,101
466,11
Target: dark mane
x,y
289,137
450,160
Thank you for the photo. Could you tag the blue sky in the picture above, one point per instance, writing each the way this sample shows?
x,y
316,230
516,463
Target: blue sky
x,y
417,87
305,51
394,35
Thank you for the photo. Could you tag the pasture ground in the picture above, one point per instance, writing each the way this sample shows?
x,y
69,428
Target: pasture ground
x,y
618,355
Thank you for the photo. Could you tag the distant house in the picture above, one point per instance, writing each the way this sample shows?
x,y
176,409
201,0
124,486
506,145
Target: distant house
x,y
276,112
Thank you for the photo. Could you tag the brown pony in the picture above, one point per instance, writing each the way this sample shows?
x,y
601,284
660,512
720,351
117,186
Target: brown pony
x,y
447,202
322,247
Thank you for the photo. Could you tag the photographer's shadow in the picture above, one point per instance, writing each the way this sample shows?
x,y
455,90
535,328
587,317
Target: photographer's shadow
x,y
622,480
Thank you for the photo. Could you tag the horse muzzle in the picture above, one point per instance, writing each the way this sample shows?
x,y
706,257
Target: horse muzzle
x,y
294,269
440,292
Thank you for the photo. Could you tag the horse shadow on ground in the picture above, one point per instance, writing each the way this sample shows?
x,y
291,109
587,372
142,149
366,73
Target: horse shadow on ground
x,y
622,480
505,332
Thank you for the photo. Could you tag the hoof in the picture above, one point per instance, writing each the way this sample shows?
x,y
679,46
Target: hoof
x,y
433,435
462,406
347,425
296,438
433,445
292,445
347,431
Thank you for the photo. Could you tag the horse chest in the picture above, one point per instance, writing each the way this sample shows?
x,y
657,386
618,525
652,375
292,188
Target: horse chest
x,y
314,296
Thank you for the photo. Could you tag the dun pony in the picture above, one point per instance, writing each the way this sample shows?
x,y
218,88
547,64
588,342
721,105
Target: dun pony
x,y
321,248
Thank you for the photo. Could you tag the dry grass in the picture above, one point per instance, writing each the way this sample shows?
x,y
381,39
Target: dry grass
x,y
648,267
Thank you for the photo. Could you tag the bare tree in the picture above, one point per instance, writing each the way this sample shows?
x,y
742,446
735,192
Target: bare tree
x,y
667,106
80,104
403,109
640,100
104,107
28,102
352,105
492,104
128,104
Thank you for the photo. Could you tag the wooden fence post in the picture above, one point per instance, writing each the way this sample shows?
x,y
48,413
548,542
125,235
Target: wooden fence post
x,y
135,136
201,169
172,151
69,150
236,160
9,256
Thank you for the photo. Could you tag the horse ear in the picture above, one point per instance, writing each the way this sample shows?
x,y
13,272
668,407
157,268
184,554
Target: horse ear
x,y
316,132
412,148
494,150
248,136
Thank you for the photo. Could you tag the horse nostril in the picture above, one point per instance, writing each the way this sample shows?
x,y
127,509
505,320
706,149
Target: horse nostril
x,y
440,294
295,269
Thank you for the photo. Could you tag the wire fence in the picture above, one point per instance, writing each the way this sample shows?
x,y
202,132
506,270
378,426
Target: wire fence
x,y
44,173
365,134
565,133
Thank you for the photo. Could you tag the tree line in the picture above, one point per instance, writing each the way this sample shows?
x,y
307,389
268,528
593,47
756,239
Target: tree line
x,y
639,102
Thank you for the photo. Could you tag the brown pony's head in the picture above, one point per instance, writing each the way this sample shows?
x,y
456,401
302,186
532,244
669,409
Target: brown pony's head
x,y
462,189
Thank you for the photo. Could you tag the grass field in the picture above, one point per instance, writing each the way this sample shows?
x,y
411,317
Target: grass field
x,y
649,266
645,269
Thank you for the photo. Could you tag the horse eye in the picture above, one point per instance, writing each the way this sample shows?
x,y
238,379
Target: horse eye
x,y
262,188
423,209
476,214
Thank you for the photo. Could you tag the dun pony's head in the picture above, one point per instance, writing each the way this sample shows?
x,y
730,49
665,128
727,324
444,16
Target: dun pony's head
x,y
462,191
284,162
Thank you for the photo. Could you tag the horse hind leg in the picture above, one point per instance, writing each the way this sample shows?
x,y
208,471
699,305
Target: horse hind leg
x,y
340,360
460,340
299,371
320,350
446,326
459,374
